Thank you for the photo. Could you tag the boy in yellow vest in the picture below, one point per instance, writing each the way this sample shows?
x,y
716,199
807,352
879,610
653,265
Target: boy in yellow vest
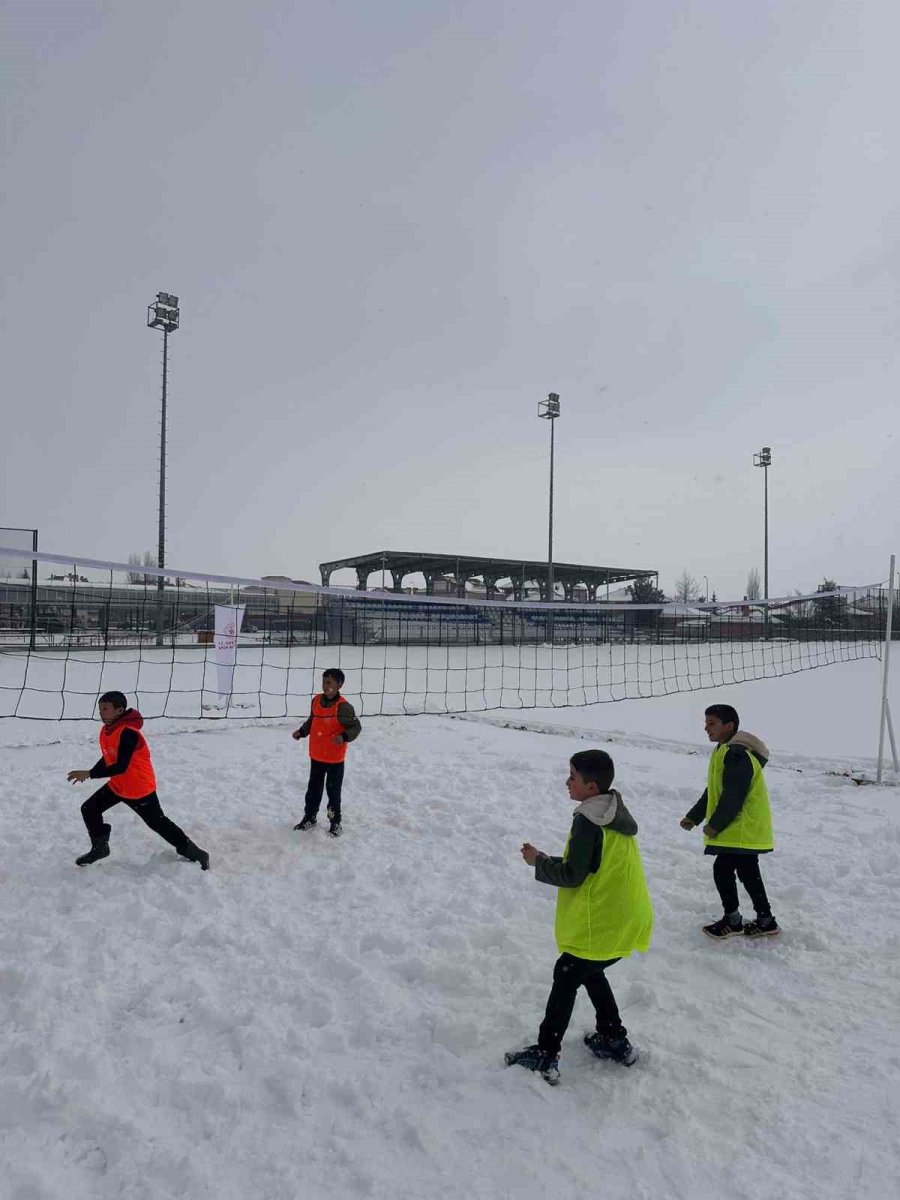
x,y
603,913
738,823
125,763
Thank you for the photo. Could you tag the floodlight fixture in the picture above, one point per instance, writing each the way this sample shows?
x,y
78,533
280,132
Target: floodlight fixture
x,y
163,313
549,408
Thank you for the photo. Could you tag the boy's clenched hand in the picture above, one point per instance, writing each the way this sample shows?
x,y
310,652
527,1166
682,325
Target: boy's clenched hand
x,y
531,854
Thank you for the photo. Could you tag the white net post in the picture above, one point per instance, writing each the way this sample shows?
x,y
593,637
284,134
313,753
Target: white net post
x,y
884,719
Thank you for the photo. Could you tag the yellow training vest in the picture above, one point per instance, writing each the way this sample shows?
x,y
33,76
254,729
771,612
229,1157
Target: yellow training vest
x,y
751,829
610,914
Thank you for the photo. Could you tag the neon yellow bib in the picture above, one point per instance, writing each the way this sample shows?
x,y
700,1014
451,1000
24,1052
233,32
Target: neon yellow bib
x,y
610,914
751,829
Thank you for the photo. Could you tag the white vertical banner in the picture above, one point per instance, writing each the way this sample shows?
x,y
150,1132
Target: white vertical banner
x,y
229,618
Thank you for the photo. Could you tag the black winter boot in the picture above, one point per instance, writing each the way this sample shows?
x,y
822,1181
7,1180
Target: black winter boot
x,y
535,1059
619,1049
99,849
194,854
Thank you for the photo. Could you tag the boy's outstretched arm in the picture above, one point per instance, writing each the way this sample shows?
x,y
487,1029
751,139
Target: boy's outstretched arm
x,y
82,776
127,746
696,814
582,857
304,729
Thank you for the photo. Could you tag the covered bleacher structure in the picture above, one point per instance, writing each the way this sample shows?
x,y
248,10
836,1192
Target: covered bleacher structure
x,y
482,581
451,572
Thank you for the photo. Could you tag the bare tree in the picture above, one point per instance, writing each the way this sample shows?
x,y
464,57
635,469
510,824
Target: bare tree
x,y
134,560
754,588
686,587
148,559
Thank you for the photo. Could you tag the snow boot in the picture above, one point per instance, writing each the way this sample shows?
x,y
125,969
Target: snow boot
x,y
720,930
619,1049
194,854
99,849
762,927
535,1059
306,823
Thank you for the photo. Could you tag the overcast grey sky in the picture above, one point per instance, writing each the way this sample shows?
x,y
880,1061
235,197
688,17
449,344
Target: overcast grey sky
x,y
396,226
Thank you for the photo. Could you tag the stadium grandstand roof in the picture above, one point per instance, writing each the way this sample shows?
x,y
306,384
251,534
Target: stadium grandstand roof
x,y
519,572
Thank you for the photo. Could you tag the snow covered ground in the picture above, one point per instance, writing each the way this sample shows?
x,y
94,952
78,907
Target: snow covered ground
x,y
318,1018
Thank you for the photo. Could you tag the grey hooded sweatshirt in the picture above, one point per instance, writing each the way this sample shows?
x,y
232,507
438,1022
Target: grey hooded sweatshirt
x,y
585,849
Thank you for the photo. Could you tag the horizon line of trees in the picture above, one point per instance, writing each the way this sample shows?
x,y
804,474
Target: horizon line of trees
x,y
688,589
148,559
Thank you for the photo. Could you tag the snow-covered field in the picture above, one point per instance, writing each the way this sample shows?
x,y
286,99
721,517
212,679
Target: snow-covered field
x,y
318,1018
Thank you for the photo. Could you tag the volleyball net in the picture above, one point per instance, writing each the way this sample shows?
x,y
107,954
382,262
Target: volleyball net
x,y
189,645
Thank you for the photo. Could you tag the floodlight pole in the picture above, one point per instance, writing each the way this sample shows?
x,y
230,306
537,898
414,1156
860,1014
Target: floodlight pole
x,y
764,459
163,314
549,410
161,547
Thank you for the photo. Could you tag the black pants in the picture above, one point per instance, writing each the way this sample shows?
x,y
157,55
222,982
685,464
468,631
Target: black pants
x,y
147,808
568,976
327,775
746,867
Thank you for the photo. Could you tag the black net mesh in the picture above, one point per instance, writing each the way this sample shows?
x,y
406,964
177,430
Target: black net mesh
x,y
88,627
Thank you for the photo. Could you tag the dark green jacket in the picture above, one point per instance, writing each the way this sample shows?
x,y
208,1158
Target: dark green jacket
x,y
585,850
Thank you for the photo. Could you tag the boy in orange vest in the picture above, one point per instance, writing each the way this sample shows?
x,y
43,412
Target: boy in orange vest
x,y
331,724
125,762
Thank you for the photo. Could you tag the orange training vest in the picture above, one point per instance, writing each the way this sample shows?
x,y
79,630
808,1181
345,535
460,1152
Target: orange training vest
x,y
138,779
325,725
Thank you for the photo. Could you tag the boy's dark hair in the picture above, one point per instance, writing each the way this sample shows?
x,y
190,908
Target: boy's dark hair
x,y
116,699
334,673
594,766
725,713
